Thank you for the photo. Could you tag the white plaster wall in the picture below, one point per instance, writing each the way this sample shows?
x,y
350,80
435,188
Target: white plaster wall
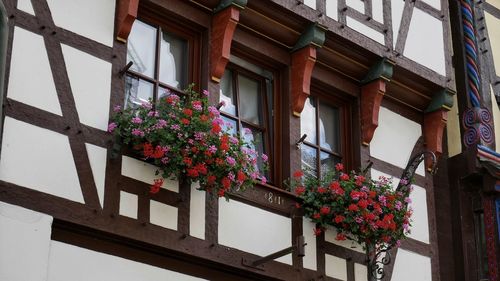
x,y
39,159
90,79
365,30
25,5
496,119
90,18
358,5
97,158
309,260
335,267
68,262
495,3
397,7
360,272
425,43
330,235
453,129
197,212
253,230
30,78
395,138
145,172
378,11
128,204
332,9
493,25
310,3
24,243
434,3
163,215
420,269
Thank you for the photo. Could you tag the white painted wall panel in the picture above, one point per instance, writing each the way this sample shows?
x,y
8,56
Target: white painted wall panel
x,y
128,204
360,272
365,30
90,18
397,7
395,138
39,159
410,266
25,5
330,235
310,3
420,221
30,78
335,267
197,212
493,25
97,158
90,80
24,243
331,7
68,262
434,3
378,11
253,230
163,215
309,260
358,5
425,43
145,172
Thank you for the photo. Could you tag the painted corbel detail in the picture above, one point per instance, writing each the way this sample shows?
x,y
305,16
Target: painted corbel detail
x,y
372,93
435,119
127,13
224,22
303,60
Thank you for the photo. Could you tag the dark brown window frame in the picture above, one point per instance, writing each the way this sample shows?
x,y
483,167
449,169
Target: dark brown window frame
x,y
332,97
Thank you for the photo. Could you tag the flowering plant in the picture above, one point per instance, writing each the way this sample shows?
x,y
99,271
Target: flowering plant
x,y
184,137
362,210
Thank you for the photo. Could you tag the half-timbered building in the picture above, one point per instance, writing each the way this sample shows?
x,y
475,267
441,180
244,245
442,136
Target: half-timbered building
x,y
369,83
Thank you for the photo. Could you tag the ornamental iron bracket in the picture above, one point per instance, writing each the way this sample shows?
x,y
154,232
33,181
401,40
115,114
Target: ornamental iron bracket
x,y
298,248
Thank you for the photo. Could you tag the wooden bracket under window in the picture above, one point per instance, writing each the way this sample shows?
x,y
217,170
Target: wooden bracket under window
x,y
303,61
127,13
372,93
224,24
435,119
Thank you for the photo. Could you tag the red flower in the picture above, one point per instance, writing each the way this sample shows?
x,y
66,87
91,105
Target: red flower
x,y
372,194
185,121
325,210
193,173
158,152
339,167
297,205
147,149
339,218
353,208
226,183
322,190
201,168
204,118
299,190
216,128
224,146
298,174
241,176
187,111
317,231
370,216
340,237
344,177
316,216
360,180
155,188
211,179
363,204
187,161
221,192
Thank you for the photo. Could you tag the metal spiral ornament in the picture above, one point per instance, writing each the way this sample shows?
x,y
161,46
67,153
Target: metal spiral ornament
x,y
377,260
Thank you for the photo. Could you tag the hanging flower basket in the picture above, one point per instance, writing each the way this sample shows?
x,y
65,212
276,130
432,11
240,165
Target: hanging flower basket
x,y
370,213
184,137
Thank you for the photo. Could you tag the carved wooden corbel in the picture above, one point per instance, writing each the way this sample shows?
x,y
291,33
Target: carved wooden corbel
x,y
435,119
372,93
127,13
224,22
303,61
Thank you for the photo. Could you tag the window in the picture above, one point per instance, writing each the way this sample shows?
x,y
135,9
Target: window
x,y
161,62
247,100
322,148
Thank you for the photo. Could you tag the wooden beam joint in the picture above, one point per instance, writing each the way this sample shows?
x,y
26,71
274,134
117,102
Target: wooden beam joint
x,y
127,13
224,24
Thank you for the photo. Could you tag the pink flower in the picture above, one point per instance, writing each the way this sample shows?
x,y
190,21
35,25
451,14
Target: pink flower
x,y
137,132
136,120
212,149
205,93
230,160
117,108
263,180
112,126
265,158
197,105
408,200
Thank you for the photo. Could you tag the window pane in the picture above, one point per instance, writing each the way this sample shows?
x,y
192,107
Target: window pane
x,y
250,104
256,140
328,162
308,120
329,127
141,48
309,163
137,91
164,92
227,94
230,126
173,61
